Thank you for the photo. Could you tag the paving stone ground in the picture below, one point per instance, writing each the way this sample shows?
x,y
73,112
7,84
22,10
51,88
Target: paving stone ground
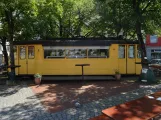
x,y
19,103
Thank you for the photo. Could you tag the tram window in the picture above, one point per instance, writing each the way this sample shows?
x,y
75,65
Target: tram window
x,y
22,52
54,53
76,53
131,51
98,53
31,52
15,51
138,52
121,51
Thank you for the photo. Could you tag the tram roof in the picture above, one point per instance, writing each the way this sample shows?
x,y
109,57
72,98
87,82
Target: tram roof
x,y
77,42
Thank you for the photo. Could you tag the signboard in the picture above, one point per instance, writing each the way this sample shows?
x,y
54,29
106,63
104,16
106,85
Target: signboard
x,y
153,39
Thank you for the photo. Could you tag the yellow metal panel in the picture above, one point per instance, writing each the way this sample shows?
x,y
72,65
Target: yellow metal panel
x,y
122,66
31,66
67,67
138,67
130,66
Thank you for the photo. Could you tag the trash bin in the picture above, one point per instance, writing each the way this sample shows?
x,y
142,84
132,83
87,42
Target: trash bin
x,y
147,75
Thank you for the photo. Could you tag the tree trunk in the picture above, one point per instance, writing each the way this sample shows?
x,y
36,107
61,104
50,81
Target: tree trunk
x,y
142,45
10,22
137,10
60,28
4,39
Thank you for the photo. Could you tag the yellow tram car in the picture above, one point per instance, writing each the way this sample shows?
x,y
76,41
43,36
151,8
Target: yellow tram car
x,y
60,56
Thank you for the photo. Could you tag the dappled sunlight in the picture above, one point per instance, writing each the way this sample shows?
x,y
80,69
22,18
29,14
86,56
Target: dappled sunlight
x,y
142,108
42,88
115,87
131,81
62,95
124,93
8,91
85,88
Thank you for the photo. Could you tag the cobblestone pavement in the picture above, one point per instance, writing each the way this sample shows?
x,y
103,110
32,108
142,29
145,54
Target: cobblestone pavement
x,y
19,103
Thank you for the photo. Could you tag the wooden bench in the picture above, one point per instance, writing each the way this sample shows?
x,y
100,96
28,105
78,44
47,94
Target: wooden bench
x,y
144,108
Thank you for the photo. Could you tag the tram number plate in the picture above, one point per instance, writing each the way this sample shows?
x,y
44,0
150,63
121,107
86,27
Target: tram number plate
x,y
144,70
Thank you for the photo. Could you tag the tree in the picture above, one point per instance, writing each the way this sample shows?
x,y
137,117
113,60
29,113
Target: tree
x,y
132,16
12,12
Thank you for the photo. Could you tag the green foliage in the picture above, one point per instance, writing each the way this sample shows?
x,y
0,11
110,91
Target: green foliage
x,y
70,18
117,71
120,14
37,75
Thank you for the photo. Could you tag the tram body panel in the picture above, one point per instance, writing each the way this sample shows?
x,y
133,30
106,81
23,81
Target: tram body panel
x,y
66,66
36,58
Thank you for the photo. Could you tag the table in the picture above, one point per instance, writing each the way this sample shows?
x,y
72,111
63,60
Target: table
x,y
15,66
82,65
143,108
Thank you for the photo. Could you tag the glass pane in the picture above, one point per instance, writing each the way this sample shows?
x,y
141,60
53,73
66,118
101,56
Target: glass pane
x,y
98,53
121,51
31,52
22,52
76,53
54,53
131,51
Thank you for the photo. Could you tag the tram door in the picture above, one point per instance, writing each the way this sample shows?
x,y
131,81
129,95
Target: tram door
x,y
131,59
127,58
26,59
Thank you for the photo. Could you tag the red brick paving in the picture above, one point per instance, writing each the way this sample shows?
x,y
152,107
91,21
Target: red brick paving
x,y
57,96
